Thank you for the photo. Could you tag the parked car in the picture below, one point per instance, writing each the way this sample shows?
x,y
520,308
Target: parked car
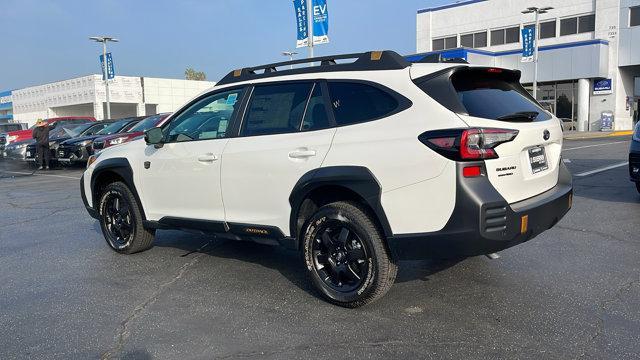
x,y
357,165
634,157
66,133
8,127
79,149
25,135
134,132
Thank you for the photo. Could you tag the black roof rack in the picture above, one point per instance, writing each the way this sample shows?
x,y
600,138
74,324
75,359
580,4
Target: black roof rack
x,y
437,58
371,60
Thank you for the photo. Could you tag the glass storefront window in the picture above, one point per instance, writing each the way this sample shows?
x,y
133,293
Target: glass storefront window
x,y
558,98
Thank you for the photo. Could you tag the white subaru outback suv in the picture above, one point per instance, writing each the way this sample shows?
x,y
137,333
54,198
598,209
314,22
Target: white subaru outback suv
x,y
356,164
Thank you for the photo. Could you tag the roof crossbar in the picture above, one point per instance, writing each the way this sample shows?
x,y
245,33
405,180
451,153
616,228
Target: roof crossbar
x,y
371,60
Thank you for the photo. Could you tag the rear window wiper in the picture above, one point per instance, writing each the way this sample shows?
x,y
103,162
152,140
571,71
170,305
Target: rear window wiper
x,y
520,116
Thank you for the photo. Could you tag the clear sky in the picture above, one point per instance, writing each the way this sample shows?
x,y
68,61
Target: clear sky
x,y
47,40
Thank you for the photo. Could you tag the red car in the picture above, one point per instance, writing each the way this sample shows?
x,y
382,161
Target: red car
x,y
138,130
22,135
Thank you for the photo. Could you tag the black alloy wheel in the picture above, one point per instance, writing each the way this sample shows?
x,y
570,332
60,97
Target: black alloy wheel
x,y
117,220
340,256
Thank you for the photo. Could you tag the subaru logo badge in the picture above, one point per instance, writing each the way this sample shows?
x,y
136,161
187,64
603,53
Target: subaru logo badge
x,y
546,134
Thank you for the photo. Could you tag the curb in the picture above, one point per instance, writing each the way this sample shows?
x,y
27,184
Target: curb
x,y
597,136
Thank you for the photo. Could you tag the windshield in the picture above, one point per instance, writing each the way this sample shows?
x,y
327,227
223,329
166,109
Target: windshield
x,y
146,124
74,131
113,128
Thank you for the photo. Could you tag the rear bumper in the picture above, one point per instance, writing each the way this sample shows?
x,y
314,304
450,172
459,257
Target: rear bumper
x,y
483,222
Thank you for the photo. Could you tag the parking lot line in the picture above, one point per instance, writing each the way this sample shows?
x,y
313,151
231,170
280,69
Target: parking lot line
x,y
589,146
599,170
39,174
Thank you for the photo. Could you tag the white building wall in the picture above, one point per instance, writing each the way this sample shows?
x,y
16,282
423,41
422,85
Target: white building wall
x,y
86,96
170,94
497,14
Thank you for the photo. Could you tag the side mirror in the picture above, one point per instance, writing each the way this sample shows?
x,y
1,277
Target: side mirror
x,y
154,136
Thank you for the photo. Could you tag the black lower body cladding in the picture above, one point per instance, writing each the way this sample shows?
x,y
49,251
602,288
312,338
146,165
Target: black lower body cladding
x,y
483,222
634,161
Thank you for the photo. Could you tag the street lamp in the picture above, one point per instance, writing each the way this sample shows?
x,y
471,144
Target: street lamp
x,y
290,55
104,40
537,11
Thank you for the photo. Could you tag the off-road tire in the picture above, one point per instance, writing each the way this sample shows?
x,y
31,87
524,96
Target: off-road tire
x,y
381,269
141,238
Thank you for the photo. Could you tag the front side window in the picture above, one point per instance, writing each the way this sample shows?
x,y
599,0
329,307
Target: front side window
x,y
634,16
355,102
275,109
206,119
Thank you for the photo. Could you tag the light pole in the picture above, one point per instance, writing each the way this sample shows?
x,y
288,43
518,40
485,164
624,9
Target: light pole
x,y
537,11
310,27
290,54
104,40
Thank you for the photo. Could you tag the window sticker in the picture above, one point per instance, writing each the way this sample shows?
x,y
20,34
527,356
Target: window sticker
x,y
231,99
222,126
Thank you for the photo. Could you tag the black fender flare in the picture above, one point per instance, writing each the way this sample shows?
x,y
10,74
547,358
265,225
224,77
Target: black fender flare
x,y
120,167
357,179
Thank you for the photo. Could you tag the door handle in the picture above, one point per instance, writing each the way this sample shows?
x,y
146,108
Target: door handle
x,y
207,157
302,153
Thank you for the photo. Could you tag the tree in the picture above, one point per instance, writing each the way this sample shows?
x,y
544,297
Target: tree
x,y
191,74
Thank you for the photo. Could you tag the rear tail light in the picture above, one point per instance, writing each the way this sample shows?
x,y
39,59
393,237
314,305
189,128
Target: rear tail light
x,y
467,144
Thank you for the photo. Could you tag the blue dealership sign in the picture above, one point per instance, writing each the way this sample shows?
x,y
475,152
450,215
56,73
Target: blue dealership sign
x,y
111,73
528,43
602,87
320,22
302,22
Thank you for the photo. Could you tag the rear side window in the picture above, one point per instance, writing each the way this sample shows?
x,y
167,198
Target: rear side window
x,y
276,109
485,93
316,115
354,103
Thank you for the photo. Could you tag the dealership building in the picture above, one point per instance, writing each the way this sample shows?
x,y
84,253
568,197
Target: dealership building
x,y
589,58
86,96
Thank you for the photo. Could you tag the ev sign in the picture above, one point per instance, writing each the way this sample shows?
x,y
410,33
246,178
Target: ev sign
x,y
111,73
319,24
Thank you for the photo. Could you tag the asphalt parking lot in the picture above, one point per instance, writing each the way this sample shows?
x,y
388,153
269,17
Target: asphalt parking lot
x,y
571,293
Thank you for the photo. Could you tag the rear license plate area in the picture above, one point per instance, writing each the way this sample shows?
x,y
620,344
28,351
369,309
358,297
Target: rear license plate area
x,y
538,159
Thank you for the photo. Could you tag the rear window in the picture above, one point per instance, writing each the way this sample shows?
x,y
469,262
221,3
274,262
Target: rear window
x,y
485,93
356,103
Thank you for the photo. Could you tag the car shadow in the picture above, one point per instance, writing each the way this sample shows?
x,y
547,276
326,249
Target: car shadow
x,y
289,263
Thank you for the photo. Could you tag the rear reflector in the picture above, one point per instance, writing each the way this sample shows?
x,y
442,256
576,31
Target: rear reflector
x,y
524,224
472,171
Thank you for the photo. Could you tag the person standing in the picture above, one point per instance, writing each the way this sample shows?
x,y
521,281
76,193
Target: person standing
x,y
41,134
